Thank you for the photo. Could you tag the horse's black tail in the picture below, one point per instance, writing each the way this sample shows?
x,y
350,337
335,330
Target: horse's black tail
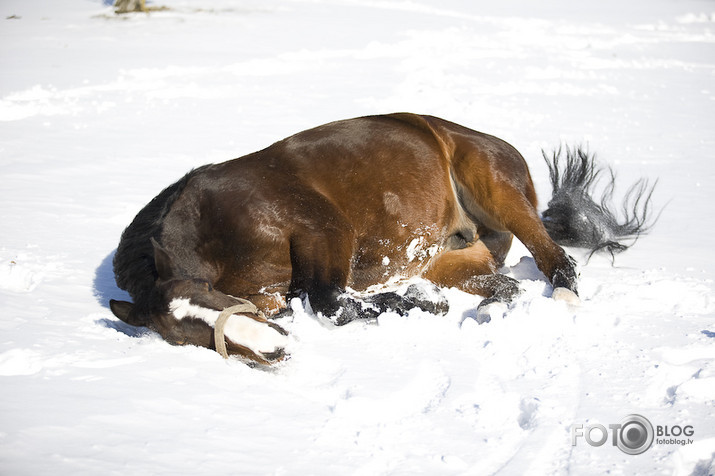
x,y
574,218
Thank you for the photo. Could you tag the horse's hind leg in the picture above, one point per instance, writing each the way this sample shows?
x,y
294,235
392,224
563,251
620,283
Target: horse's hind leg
x,y
499,192
517,214
497,242
558,267
474,270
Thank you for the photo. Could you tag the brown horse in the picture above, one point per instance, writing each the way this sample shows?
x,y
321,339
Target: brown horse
x,y
347,204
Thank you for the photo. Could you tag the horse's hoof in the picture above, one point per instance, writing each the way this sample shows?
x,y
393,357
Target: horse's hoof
x,y
352,309
493,310
428,298
275,357
567,296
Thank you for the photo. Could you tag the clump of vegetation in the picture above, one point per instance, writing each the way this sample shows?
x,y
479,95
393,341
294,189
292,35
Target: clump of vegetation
x,y
130,6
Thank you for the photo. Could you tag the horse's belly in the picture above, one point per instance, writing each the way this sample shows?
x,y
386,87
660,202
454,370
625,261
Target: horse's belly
x,y
381,257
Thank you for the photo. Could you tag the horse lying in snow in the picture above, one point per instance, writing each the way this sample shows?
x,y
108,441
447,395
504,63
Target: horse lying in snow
x,y
351,204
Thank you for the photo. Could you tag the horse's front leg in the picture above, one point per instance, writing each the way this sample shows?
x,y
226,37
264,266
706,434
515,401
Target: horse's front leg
x,y
320,269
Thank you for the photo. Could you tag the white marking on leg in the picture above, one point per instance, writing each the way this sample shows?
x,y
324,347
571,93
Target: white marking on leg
x,y
567,296
242,330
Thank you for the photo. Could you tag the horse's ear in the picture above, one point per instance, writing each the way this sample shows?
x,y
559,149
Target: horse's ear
x,y
162,261
125,311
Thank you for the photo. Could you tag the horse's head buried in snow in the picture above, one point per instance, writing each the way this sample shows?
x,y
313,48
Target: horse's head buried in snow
x,y
345,205
187,310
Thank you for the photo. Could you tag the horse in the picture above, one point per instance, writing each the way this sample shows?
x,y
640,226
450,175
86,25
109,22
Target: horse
x,y
216,256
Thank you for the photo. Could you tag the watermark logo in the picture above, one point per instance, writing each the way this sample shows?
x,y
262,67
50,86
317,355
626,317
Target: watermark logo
x,y
633,435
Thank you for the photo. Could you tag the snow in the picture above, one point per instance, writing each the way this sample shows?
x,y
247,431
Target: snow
x,y
98,113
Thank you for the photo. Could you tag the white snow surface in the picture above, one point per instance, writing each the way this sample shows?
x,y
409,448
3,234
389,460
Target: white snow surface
x,y
98,113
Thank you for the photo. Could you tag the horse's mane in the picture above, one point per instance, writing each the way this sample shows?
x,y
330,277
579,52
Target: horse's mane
x,y
134,268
